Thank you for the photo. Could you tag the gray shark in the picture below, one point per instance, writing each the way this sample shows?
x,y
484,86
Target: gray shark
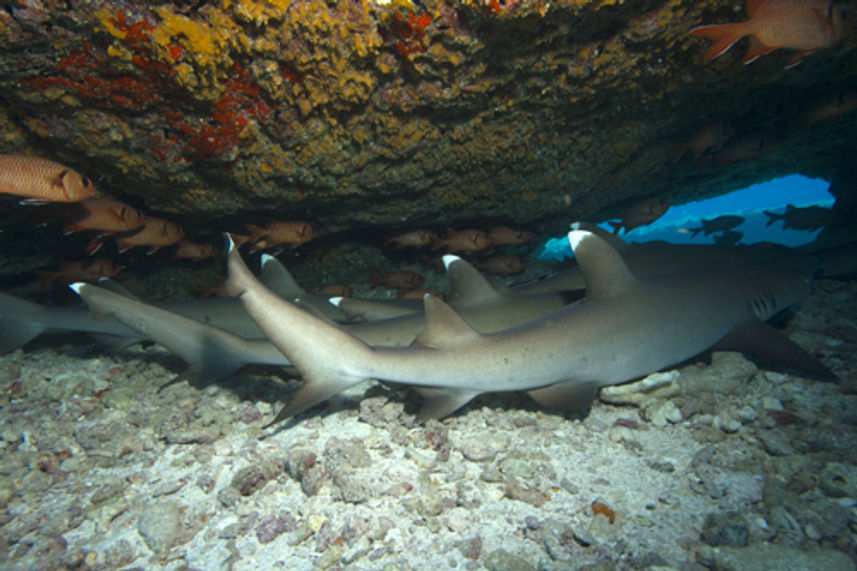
x,y
214,353
624,328
660,258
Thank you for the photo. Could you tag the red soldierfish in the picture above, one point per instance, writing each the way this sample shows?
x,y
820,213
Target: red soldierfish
x,y
276,233
398,279
100,214
469,240
804,25
188,250
155,233
642,213
333,290
42,180
80,270
505,236
414,239
503,265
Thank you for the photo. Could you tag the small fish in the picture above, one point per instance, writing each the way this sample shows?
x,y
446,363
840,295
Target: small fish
x,y
155,233
506,236
414,239
333,290
42,180
705,140
469,240
720,224
398,279
729,238
107,216
829,109
804,25
809,218
746,148
503,265
276,233
419,293
642,213
79,270
188,250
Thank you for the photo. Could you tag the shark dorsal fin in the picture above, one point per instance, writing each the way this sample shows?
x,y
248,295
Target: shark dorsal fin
x,y
278,279
444,328
467,287
606,273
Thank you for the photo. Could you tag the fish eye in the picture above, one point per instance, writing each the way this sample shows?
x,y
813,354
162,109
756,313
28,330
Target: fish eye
x,y
85,181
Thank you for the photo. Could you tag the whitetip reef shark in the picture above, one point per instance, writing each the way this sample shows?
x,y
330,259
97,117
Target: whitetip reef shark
x,y
215,351
624,328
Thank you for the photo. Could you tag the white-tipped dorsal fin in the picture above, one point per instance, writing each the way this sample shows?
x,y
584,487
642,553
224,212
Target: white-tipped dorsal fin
x,y
444,328
278,279
468,287
75,287
335,300
615,241
606,273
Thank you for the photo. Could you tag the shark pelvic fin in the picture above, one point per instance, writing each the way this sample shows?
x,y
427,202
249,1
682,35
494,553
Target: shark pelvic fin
x,y
316,388
442,402
761,340
467,286
606,273
569,396
444,328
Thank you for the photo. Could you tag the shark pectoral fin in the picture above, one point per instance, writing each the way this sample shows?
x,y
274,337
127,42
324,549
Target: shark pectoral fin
x,y
315,389
14,334
444,328
442,402
761,340
569,396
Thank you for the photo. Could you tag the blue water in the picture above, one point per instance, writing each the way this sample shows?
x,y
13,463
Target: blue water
x,y
749,202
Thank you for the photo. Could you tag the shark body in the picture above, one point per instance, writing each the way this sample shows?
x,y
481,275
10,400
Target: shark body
x,y
624,328
215,351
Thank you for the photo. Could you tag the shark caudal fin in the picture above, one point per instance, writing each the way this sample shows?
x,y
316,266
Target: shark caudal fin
x,y
212,354
21,321
327,357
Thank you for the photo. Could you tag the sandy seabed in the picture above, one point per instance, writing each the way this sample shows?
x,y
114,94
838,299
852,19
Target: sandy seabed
x,y
723,465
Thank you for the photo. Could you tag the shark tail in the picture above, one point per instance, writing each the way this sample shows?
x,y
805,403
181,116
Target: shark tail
x,y
309,342
20,322
772,217
212,353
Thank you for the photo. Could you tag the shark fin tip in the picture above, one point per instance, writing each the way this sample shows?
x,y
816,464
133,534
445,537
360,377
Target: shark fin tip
x,y
448,259
75,287
576,236
335,300
266,258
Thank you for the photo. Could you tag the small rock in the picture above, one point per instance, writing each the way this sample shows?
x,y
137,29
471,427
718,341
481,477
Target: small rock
x,y
775,442
654,386
159,525
726,528
275,526
502,560
838,480
768,556
249,480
